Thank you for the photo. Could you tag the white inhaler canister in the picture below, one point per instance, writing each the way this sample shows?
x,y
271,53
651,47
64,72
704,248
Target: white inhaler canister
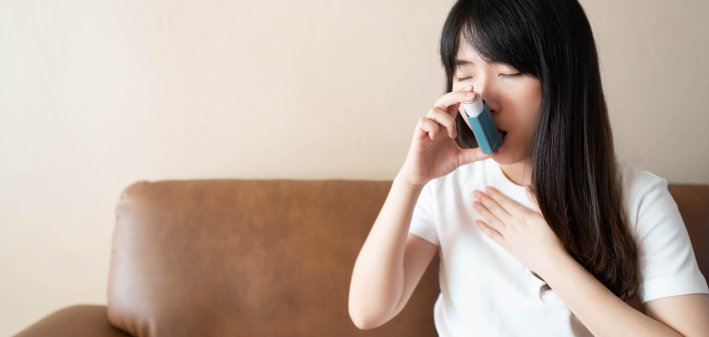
x,y
484,129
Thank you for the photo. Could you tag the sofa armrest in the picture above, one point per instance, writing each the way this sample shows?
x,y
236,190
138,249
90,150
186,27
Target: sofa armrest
x,y
75,321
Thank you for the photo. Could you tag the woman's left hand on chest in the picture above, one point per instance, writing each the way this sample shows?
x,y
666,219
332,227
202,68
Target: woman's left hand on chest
x,y
520,230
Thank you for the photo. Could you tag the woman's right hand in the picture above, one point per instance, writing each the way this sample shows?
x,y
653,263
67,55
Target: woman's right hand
x,y
433,151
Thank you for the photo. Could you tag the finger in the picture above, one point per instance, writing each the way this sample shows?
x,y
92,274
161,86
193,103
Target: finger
x,y
492,205
441,117
508,204
456,107
452,98
532,198
429,127
492,220
470,155
491,232
464,115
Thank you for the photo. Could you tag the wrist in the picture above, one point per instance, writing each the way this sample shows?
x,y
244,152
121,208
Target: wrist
x,y
562,262
403,182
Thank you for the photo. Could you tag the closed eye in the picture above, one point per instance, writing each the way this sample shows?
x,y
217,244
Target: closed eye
x,y
500,75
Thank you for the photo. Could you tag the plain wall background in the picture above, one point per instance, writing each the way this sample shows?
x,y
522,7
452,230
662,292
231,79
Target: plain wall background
x,y
95,95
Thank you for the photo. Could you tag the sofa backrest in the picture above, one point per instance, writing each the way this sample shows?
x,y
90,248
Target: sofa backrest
x,y
268,257
248,258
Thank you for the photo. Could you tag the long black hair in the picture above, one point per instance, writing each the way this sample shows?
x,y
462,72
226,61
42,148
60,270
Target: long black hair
x,y
574,177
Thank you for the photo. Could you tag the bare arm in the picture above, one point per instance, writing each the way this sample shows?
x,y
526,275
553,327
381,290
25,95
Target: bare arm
x,y
604,314
390,263
686,314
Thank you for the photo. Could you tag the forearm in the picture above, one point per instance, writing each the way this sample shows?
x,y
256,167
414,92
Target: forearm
x,y
603,313
378,277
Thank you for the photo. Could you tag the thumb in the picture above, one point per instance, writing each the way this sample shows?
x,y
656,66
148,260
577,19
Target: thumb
x,y
532,197
467,156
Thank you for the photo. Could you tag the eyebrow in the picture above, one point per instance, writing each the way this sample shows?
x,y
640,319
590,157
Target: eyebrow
x,y
459,62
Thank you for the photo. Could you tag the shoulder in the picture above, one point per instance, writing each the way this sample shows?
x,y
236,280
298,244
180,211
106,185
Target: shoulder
x,y
667,262
638,182
642,189
647,200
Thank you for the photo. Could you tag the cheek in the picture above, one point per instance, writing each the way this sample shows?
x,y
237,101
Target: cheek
x,y
525,117
527,124
525,104
528,104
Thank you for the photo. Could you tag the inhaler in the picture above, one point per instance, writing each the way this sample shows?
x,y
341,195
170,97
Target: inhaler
x,y
480,118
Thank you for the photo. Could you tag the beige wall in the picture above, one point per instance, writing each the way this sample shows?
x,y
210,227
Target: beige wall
x,y
95,95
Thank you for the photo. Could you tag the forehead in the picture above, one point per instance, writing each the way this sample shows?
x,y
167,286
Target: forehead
x,y
466,52
467,56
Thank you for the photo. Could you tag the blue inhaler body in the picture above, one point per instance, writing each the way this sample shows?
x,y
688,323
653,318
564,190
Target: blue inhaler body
x,y
480,119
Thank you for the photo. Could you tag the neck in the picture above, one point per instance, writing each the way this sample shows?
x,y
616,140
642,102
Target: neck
x,y
519,173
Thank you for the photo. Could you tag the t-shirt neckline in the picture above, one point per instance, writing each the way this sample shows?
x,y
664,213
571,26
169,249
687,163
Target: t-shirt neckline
x,y
497,169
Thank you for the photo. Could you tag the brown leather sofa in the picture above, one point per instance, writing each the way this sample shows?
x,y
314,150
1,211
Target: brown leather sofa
x,y
258,258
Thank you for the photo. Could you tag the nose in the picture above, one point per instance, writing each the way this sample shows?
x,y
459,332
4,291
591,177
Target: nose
x,y
482,84
484,88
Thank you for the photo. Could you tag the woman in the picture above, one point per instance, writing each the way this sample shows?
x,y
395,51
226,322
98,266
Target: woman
x,y
548,235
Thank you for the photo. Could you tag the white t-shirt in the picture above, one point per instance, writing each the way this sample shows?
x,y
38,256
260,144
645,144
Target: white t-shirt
x,y
485,291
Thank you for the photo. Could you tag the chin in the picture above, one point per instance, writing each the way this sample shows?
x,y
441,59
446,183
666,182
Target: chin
x,y
505,156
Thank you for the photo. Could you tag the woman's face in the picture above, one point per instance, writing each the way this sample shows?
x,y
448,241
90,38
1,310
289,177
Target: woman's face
x,y
514,100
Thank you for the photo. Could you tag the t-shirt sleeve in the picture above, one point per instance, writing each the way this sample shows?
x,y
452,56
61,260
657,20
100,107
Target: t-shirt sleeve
x,y
423,219
667,262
